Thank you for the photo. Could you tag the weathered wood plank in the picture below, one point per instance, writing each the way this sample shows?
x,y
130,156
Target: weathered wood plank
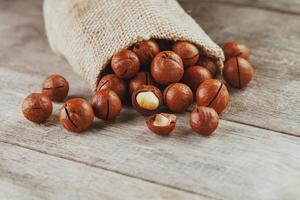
x,y
238,162
214,166
273,98
271,101
283,6
26,174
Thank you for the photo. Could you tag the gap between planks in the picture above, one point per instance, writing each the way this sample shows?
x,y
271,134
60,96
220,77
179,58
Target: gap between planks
x,y
264,128
109,170
123,173
259,127
247,5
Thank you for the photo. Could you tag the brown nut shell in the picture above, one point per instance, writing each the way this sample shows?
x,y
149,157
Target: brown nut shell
x,y
55,87
178,97
146,51
212,93
37,107
141,78
106,105
238,72
234,48
204,120
209,64
167,68
111,81
148,89
188,52
195,75
76,115
125,64
161,129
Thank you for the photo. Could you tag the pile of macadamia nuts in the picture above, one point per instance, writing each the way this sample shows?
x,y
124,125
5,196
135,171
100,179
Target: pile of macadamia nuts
x,y
155,74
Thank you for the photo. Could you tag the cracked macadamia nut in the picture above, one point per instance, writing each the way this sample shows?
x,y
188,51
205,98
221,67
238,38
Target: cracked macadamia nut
x,y
147,99
209,64
111,81
195,75
76,115
141,78
238,72
146,50
212,93
234,49
106,105
37,107
204,120
167,68
161,124
55,87
178,97
188,52
125,64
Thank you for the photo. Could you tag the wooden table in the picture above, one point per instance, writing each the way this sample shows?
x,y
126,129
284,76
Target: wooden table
x,y
254,154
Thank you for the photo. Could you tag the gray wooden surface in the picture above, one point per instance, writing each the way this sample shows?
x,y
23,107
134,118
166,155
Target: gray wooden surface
x,y
255,153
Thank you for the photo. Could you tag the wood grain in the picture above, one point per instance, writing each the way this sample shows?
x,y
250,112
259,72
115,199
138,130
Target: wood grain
x,y
281,6
213,167
277,71
26,174
238,162
237,158
272,100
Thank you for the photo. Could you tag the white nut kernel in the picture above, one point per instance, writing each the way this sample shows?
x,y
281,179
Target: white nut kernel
x,y
147,100
161,120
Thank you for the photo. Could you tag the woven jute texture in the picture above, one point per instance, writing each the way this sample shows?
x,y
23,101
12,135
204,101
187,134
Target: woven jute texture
x,y
88,32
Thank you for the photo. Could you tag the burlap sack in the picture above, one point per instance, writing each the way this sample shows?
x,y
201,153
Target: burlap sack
x,y
88,32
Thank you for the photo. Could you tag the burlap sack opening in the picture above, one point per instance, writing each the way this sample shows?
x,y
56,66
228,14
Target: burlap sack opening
x,y
88,32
